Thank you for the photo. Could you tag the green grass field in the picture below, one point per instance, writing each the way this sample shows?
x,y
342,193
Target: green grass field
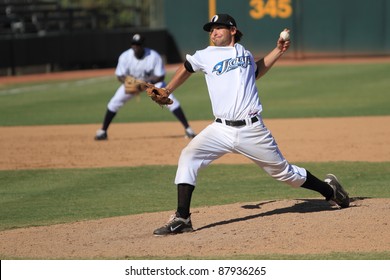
x,y
43,197
286,92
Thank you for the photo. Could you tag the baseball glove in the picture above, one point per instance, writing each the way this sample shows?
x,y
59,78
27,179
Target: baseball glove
x,y
133,85
159,95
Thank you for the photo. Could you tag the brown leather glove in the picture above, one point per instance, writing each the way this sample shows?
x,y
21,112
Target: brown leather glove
x,y
159,95
133,85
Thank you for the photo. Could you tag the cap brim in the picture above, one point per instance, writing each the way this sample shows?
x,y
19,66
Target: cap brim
x,y
207,26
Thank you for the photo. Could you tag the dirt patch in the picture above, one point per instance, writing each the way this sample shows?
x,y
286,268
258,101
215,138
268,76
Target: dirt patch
x,y
266,227
134,144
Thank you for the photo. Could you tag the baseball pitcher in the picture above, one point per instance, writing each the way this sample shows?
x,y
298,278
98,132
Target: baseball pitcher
x,y
231,72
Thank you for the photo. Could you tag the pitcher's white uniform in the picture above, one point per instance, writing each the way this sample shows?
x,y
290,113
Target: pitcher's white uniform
x,y
150,65
230,76
231,72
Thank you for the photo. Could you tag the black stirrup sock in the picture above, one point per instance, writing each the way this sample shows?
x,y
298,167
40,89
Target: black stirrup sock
x,y
315,184
179,114
108,119
184,194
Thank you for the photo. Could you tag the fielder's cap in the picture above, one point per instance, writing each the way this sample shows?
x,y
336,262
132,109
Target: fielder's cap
x,y
220,19
137,39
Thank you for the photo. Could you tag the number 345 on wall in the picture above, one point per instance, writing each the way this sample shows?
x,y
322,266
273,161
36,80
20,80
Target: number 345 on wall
x,y
272,8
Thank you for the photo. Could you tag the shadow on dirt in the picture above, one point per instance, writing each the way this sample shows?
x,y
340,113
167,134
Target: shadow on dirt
x,y
301,206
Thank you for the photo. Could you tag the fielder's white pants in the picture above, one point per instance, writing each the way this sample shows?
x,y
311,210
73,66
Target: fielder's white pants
x,y
253,141
121,97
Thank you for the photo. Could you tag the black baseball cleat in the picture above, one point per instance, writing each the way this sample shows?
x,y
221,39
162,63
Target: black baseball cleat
x,y
340,196
101,135
175,225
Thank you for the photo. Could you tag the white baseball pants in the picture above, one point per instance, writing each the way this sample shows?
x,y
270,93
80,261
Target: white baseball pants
x,y
253,141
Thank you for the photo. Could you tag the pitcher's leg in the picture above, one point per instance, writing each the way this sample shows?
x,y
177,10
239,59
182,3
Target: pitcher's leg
x,y
258,144
207,146
184,195
266,154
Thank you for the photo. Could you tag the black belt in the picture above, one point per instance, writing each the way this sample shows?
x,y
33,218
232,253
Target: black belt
x,y
236,123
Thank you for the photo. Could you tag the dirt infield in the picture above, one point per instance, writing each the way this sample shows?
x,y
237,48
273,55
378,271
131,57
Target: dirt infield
x,y
72,146
267,227
299,226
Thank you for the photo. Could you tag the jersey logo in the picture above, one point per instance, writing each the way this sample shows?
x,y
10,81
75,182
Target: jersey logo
x,y
231,64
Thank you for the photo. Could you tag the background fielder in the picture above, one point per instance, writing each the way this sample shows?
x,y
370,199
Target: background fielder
x,y
147,65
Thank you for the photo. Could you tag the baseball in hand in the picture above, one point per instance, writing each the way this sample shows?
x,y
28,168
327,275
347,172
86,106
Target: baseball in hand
x,y
285,35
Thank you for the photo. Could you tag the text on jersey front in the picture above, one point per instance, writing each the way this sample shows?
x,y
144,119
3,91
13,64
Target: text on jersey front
x,y
231,64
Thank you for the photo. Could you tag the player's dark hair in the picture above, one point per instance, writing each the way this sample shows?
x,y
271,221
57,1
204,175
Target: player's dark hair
x,y
238,36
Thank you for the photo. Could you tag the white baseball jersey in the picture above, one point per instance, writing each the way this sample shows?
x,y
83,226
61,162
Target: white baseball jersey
x,y
230,77
151,64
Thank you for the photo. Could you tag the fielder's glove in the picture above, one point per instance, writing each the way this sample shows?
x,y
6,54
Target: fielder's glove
x,y
133,85
159,95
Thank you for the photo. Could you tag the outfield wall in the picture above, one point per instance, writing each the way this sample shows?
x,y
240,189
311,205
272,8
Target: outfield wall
x,y
318,27
77,50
